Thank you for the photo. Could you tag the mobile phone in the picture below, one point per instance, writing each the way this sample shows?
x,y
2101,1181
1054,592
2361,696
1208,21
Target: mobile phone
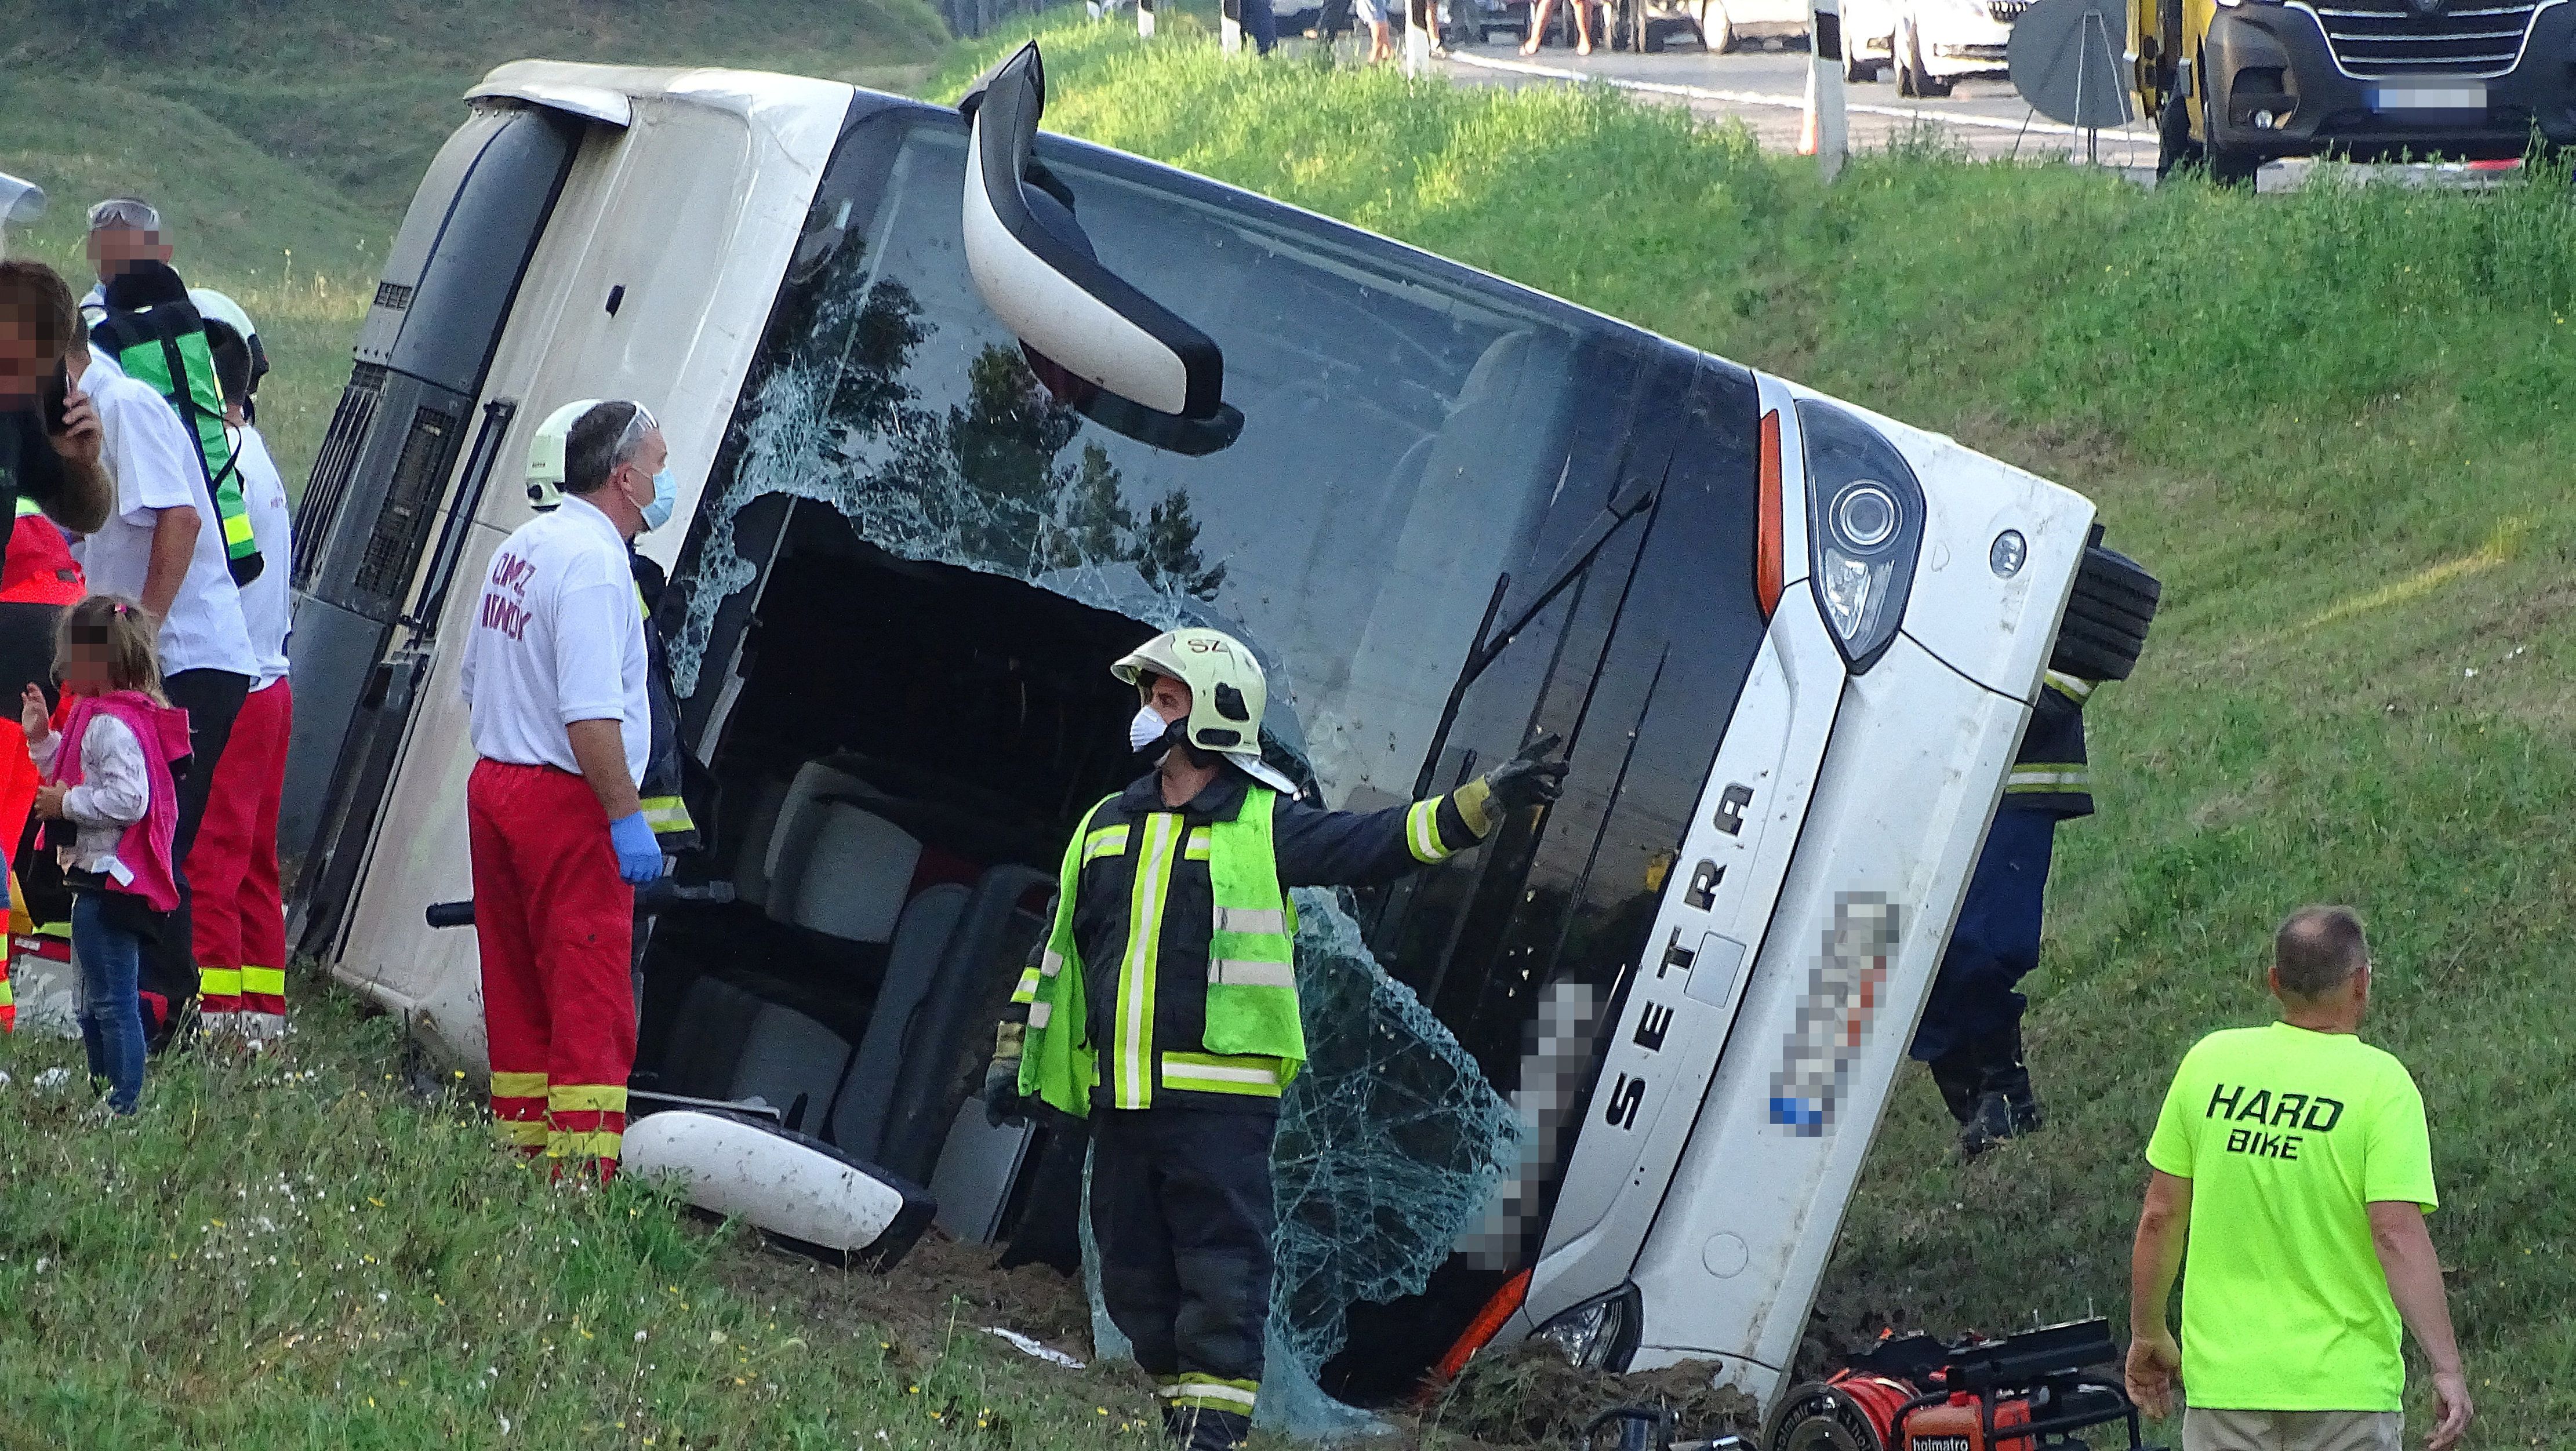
x,y
58,400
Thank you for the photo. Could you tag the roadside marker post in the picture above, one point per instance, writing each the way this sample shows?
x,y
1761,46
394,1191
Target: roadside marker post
x,y
1145,19
1826,132
1229,27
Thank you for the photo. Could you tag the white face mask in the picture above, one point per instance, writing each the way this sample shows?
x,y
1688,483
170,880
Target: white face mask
x,y
1147,728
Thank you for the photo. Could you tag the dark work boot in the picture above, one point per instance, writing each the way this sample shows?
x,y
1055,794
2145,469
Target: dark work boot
x,y
1960,1077
1196,1428
2006,1108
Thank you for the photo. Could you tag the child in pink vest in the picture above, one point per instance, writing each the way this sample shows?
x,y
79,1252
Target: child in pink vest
x,y
108,785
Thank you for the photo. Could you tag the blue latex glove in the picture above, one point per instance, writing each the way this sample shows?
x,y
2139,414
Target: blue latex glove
x,y
639,856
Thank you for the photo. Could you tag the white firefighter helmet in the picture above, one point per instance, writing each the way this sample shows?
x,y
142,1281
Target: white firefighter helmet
x,y
1227,693
214,306
546,453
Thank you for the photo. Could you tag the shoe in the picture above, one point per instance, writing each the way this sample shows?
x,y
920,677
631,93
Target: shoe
x,y
1195,1428
1961,1080
1999,1117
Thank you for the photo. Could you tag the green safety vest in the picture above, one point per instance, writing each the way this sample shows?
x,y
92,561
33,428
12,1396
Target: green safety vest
x,y
1254,1042
165,345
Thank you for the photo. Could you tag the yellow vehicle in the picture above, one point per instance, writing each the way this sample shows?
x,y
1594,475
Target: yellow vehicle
x,y
2235,83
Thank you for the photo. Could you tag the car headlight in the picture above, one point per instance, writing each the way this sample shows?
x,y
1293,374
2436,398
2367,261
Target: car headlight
x,y
1601,1333
1864,528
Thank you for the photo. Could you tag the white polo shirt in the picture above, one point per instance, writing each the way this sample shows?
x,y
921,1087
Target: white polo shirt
x,y
557,637
149,453
266,609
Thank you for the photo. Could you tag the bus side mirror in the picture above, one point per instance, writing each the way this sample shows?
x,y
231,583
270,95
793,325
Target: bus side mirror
x,y
20,201
1124,360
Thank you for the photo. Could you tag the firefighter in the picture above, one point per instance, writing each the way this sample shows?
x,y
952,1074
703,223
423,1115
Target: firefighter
x,y
1971,1029
1163,1007
555,673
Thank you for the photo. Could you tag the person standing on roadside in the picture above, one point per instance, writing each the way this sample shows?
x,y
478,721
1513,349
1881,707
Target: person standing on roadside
x,y
239,931
555,674
124,232
162,548
2295,1161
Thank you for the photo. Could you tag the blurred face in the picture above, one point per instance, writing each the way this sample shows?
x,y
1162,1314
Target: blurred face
x,y
26,361
84,666
113,249
1169,698
634,478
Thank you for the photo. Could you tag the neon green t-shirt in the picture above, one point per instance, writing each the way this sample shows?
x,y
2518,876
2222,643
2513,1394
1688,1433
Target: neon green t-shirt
x,y
2288,1136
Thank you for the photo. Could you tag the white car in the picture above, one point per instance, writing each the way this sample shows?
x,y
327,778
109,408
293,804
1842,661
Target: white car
x,y
952,430
1723,22
1935,42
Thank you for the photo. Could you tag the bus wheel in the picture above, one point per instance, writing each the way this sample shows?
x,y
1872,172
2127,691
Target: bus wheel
x,y
2107,617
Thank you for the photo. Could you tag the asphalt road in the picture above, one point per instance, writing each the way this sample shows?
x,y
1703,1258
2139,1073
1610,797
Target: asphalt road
x,y
1763,83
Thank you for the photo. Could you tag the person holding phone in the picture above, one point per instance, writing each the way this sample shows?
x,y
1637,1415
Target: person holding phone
x,y
51,478
50,442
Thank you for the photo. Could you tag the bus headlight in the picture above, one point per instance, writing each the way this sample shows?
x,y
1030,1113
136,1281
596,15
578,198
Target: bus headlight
x,y
1602,1332
1864,528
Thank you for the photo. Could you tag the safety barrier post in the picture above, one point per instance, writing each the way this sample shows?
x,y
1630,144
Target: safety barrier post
x,y
1825,133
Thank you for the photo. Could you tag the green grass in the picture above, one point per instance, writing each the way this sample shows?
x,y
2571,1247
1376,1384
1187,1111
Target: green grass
x,y
297,1251
2326,420
282,139
2333,423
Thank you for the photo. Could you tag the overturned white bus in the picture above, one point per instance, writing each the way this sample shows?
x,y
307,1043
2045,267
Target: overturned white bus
x,y
1609,1079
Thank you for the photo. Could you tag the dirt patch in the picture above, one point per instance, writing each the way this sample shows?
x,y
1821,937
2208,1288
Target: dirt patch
x,y
941,1287
1529,1396
1523,1399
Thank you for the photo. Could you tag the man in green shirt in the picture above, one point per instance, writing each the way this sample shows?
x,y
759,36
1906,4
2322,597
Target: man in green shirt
x,y
2295,1160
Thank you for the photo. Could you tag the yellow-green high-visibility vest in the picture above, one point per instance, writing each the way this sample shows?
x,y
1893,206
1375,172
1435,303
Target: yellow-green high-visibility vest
x,y
1253,1045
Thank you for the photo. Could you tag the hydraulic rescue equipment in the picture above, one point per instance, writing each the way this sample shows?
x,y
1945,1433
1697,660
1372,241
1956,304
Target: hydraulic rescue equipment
x,y
2025,1392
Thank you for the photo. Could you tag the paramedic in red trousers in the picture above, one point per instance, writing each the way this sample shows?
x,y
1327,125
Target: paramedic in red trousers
x,y
1163,1007
239,931
1971,1028
554,673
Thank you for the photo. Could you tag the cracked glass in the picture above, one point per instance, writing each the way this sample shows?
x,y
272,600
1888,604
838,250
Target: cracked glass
x,y
1408,428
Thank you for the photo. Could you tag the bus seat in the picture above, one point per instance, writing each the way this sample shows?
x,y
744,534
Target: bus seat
x,y
847,878
921,939
702,1060
950,1025
791,1063
751,856
798,818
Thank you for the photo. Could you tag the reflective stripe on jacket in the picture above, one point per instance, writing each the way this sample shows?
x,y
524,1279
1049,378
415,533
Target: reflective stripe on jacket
x,y
1172,949
2050,772
666,809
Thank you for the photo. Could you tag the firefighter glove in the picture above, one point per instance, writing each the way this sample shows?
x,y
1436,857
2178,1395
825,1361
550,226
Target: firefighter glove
x,y
639,856
1535,777
1002,1101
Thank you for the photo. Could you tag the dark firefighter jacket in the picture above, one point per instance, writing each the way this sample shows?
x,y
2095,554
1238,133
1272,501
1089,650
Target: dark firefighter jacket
x,y
2050,772
1311,847
666,808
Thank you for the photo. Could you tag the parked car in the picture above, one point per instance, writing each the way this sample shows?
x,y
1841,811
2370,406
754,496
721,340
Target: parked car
x,y
1869,39
1938,41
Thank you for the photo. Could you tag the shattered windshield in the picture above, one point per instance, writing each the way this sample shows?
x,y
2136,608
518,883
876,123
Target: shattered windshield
x,y
1400,433
1407,429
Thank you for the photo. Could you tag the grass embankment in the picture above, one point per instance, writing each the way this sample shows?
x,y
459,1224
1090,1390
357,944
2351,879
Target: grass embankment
x,y
298,1252
2326,420
2334,423
282,138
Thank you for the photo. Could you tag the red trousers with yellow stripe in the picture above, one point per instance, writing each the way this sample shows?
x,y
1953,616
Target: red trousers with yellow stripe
x,y
238,929
556,928
18,782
